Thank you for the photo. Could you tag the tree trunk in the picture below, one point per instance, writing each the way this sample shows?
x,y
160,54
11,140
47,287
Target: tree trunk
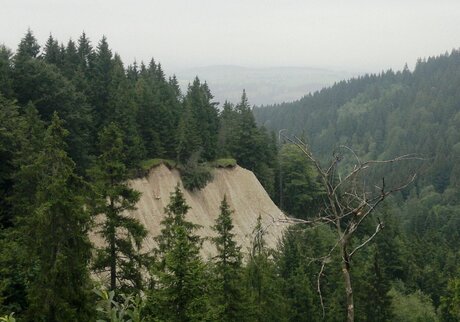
x,y
113,263
347,280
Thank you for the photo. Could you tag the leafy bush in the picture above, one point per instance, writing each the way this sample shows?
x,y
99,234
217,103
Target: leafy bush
x,y
126,310
412,307
144,166
195,177
7,318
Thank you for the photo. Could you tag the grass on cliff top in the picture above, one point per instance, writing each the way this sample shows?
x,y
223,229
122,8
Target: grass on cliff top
x,y
152,163
223,163
148,164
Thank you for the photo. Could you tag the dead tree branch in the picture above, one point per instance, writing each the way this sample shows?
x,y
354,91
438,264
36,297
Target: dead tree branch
x,y
347,205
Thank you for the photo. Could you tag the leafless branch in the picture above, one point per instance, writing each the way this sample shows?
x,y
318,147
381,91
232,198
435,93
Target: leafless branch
x,y
377,230
318,287
346,205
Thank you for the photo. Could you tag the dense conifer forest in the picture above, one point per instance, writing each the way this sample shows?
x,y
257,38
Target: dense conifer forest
x,y
76,124
380,117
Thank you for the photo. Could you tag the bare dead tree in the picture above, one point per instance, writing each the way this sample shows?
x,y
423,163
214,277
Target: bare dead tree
x,y
347,203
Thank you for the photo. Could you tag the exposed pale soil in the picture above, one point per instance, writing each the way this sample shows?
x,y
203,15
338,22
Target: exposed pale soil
x,y
245,195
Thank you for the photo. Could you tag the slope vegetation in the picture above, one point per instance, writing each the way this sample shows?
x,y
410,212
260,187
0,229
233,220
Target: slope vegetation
x,y
381,116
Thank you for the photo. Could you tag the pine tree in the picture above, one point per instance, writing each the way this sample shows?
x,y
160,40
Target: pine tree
x,y
301,189
179,287
12,138
123,235
227,124
28,47
99,71
230,299
85,52
6,70
263,282
52,53
71,60
204,117
55,233
121,108
245,148
188,138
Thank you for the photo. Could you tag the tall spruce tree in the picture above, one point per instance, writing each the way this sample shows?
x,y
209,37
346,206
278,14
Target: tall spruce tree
x,y
122,109
52,53
264,284
12,139
204,117
6,69
55,233
122,235
188,139
28,47
179,289
229,297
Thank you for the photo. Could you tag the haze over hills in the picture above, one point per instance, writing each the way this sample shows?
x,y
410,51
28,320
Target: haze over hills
x,y
381,116
268,85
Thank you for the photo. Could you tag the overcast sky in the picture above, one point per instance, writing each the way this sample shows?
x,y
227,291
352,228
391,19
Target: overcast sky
x,y
368,35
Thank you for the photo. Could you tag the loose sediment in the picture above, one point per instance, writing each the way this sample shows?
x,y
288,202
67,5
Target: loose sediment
x,y
245,195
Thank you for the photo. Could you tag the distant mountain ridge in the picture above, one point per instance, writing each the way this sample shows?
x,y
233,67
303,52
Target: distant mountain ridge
x,y
264,85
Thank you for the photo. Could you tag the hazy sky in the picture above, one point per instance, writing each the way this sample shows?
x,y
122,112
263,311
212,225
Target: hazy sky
x,y
369,35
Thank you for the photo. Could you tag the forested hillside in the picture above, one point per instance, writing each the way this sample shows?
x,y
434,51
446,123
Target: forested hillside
x,y
385,116
77,124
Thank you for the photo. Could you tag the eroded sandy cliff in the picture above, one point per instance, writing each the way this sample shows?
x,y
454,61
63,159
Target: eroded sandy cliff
x,y
245,196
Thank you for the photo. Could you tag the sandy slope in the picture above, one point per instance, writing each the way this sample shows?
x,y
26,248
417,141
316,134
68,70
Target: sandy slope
x,y
245,196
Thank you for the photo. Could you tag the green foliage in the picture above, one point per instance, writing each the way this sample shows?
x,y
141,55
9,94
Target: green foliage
x,y
140,115
414,307
179,288
6,64
8,318
152,163
252,147
302,193
195,177
382,116
264,284
450,303
229,297
122,234
109,309
57,247
298,262
205,117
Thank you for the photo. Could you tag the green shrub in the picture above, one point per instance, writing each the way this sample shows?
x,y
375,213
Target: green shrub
x,y
146,165
8,318
195,177
126,309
